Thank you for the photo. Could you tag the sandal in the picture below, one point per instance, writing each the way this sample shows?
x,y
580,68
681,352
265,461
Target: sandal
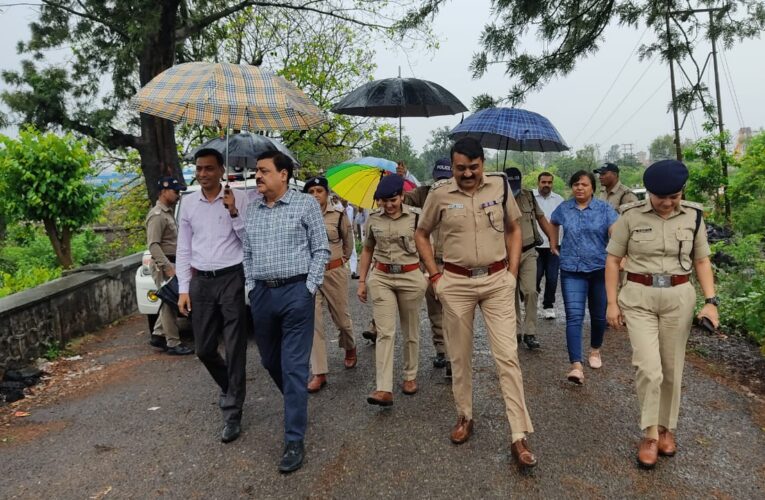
x,y
576,376
594,360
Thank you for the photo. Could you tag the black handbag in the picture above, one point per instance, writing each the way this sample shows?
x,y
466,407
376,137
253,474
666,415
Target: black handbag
x,y
168,292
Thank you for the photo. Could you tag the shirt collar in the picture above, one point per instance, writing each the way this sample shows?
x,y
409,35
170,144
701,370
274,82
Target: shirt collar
x,y
202,196
286,198
162,206
455,187
618,186
647,207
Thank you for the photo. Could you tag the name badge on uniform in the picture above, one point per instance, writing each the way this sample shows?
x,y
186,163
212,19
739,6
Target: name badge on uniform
x,y
488,204
455,205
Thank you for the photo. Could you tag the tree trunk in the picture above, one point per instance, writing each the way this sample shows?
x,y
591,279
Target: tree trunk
x,y
61,242
159,155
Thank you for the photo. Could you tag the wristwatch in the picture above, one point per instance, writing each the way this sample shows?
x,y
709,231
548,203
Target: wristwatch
x,y
712,300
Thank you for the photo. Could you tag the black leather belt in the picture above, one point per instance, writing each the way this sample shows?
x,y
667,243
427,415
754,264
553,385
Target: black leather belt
x,y
216,272
276,283
528,247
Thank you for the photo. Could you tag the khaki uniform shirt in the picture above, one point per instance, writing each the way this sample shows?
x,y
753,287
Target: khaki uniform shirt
x,y
472,226
393,239
161,234
416,198
340,241
527,203
618,196
653,244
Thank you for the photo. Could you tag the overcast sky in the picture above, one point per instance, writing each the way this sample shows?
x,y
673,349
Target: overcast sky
x,y
568,102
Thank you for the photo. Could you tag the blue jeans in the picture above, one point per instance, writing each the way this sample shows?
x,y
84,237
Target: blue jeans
x,y
283,326
547,266
578,288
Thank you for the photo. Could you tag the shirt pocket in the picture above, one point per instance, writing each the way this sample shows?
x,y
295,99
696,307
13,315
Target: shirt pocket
x,y
333,235
455,219
684,239
494,218
642,239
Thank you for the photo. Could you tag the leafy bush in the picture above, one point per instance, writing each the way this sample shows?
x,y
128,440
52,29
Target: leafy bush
x,y
26,277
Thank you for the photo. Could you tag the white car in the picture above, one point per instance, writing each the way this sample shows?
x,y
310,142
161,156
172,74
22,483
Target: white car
x,y
145,289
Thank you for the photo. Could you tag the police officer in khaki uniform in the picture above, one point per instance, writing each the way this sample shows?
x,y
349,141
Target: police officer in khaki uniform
x,y
611,190
664,239
334,290
395,282
526,290
162,237
416,198
478,222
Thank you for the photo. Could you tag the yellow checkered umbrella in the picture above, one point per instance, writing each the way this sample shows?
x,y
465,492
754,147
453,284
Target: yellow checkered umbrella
x,y
234,96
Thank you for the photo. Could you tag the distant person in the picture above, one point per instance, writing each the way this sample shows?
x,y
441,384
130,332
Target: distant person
x,y
334,290
416,198
611,190
526,289
162,238
586,223
211,280
285,253
353,261
405,173
547,262
664,239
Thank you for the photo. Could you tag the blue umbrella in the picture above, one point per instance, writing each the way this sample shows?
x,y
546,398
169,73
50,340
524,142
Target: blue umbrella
x,y
510,129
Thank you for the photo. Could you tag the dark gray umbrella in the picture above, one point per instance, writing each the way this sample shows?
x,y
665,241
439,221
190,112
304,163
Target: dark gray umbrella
x,y
399,97
243,149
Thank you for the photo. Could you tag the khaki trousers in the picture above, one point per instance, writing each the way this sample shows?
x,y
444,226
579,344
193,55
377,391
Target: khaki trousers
x,y
659,323
334,291
436,317
527,285
495,295
167,320
390,292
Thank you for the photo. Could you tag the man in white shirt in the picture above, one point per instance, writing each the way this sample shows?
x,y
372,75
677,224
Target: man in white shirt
x,y
547,262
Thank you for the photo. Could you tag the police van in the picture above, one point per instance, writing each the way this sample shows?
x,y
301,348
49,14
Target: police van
x,y
146,290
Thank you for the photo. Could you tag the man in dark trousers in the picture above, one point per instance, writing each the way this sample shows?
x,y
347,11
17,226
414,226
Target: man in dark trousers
x,y
285,253
211,279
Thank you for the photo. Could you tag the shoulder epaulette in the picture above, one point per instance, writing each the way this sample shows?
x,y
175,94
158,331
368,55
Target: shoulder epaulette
x,y
438,184
495,174
628,206
692,204
414,210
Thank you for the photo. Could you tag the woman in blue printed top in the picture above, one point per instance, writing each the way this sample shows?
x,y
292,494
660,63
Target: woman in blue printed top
x,y
586,223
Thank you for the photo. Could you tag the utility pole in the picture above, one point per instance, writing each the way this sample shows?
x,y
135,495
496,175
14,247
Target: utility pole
x,y
678,148
720,126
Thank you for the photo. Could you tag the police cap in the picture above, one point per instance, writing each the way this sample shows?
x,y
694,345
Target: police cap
x,y
316,181
170,183
442,169
390,186
607,167
665,177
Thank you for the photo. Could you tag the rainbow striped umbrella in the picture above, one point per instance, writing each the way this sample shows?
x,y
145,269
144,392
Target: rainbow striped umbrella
x,y
356,180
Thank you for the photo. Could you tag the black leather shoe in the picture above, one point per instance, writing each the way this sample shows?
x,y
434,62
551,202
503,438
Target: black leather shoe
x,y
531,342
439,361
372,336
230,432
158,341
354,276
448,373
180,350
292,459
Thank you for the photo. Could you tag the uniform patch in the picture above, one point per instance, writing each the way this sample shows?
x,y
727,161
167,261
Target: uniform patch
x,y
488,204
455,205
642,230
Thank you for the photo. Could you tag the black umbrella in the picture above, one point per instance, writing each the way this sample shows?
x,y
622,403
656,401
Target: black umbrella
x,y
399,97
243,149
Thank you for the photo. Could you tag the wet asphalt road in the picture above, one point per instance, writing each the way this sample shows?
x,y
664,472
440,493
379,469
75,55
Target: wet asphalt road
x,y
100,440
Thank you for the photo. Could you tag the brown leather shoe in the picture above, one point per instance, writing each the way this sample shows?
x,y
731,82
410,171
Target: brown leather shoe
x,y
409,387
350,358
381,398
316,383
667,446
522,454
462,431
648,451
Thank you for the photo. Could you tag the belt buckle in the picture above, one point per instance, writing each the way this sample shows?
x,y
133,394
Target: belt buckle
x,y
271,283
477,272
394,268
661,280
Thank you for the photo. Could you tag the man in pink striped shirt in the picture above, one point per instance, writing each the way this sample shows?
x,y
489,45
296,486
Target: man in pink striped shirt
x,y
211,278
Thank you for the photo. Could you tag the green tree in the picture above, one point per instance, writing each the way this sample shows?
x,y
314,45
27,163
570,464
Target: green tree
x,y
571,30
438,146
747,188
43,178
662,148
132,41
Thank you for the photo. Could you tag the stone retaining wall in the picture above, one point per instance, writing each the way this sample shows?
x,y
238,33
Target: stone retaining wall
x,y
83,301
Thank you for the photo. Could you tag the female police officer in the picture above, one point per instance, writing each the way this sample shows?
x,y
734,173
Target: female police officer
x,y
396,282
664,239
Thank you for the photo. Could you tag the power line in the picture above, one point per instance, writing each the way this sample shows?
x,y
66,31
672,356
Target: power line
x,y
732,90
629,92
625,122
597,108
